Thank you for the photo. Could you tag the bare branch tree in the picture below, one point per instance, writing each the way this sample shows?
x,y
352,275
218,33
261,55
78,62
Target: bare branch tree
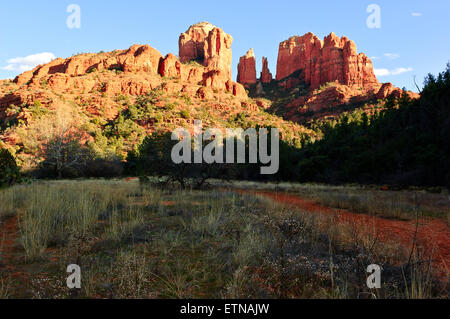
x,y
62,149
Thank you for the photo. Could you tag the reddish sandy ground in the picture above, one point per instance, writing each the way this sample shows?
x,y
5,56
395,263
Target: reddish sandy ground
x,y
8,236
433,234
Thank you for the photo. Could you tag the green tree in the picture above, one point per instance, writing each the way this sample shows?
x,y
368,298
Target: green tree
x,y
9,171
405,144
153,158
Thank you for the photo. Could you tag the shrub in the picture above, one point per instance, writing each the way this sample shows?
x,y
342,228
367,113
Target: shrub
x,y
159,117
9,172
92,70
104,167
185,114
117,68
38,110
170,106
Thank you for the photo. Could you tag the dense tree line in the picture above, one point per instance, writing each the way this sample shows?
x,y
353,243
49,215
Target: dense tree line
x,y
153,158
408,143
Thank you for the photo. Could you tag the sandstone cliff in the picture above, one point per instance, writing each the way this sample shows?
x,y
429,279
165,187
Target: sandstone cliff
x,y
247,69
209,46
334,59
266,76
141,69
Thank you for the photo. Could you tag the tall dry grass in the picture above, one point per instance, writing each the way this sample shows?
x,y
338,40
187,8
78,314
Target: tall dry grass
x,y
51,213
138,241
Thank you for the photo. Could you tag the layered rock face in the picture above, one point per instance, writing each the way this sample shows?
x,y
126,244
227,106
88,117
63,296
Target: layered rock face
x,y
266,76
192,42
138,58
247,69
209,46
143,67
388,89
332,60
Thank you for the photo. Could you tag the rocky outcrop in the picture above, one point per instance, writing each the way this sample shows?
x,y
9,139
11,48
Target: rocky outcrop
x,y
192,42
202,42
170,66
333,95
207,45
388,89
236,89
210,47
334,59
218,53
266,76
138,58
298,53
247,69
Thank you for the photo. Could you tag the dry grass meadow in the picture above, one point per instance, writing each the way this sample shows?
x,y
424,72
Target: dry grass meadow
x,y
138,240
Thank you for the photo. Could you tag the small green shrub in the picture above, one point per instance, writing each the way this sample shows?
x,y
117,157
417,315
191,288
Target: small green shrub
x,y
9,171
169,106
185,114
92,70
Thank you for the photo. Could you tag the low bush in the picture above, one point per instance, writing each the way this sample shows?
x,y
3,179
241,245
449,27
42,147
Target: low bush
x,y
9,171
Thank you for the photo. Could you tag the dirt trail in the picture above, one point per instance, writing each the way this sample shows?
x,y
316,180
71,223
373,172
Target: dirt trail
x,y
8,236
433,235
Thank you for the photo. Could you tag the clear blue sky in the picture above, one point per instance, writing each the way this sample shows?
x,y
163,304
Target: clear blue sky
x,y
413,39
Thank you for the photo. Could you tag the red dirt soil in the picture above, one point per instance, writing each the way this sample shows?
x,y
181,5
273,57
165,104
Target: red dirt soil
x,y
8,236
433,235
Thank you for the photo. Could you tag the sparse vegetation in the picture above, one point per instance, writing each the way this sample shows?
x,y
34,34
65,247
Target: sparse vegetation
x,y
185,114
134,240
92,70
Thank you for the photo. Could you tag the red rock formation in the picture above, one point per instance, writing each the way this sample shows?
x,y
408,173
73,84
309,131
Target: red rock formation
x,y
247,69
170,66
388,89
218,53
64,74
298,53
205,93
334,59
214,79
192,42
211,47
138,58
266,76
236,89
208,45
